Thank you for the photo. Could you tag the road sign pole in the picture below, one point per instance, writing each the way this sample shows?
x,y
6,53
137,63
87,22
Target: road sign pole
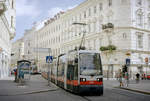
x,y
49,69
146,61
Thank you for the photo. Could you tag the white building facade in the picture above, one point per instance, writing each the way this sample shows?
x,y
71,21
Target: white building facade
x,y
7,33
17,51
130,35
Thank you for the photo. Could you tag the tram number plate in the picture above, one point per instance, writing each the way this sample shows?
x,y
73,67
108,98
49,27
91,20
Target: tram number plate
x,y
91,82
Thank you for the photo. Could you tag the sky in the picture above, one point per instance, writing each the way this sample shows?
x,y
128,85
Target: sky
x,y
31,11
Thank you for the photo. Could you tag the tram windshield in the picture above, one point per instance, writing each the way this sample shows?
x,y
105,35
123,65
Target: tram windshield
x,y
90,64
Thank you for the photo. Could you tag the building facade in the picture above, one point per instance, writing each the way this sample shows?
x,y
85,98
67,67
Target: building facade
x,y
17,52
130,34
7,33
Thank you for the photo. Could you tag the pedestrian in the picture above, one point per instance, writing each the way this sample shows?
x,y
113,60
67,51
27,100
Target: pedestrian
x,y
126,79
142,76
137,77
120,78
15,72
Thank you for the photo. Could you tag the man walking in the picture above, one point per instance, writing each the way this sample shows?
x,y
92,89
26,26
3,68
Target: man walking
x,y
137,77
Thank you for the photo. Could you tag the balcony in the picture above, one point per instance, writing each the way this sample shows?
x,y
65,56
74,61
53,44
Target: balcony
x,y
2,6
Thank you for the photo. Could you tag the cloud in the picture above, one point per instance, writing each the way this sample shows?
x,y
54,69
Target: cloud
x,y
23,8
55,10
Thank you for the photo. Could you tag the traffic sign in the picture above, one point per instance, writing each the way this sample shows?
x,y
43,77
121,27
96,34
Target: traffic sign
x,y
127,62
49,59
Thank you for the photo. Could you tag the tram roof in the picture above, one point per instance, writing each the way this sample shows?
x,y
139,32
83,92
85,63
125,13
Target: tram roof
x,y
23,61
84,51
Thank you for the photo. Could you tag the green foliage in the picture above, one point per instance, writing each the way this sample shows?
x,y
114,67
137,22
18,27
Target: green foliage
x,y
108,48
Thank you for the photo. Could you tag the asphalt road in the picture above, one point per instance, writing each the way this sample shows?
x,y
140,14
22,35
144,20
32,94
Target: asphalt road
x,y
113,94
110,94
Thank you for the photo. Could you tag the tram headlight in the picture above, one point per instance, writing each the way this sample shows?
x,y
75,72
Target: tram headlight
x,y
83,79
99,79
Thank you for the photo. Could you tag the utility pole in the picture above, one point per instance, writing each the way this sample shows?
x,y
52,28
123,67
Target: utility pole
x,y
83,37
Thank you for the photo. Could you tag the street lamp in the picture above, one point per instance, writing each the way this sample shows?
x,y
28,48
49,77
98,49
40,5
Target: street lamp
x,y
82,24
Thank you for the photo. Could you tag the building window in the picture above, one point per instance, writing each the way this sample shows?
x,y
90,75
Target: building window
x,y
85,14
140,40
148,4
148,20
89,11
109,3
28,52
148,42
80,17
124,35
12,4
95,9
29,44
139,17
94,27
139,2
12,18
89,28
100,6
123,2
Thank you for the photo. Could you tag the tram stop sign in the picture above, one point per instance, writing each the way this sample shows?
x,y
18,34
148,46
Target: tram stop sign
x,y
128,62
49,59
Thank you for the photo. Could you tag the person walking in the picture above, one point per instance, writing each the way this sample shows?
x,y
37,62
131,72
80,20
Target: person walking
x,y
15,72
137,77
120,78
126,79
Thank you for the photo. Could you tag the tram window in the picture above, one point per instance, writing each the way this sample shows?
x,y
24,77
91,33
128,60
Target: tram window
x,y
70,72
90,64
76,72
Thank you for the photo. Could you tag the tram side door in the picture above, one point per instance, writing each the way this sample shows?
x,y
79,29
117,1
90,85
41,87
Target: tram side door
x,y
70,77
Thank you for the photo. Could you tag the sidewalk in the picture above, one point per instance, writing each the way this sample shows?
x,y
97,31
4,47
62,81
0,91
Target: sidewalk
x,y
8,78
142,87
36,84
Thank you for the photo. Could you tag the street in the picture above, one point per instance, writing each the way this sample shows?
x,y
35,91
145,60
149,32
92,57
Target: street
x,y
40,92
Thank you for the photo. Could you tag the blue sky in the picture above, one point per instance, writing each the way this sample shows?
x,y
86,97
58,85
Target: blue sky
x,y
30,11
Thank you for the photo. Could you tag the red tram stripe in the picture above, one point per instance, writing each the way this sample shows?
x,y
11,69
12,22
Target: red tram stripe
x,y
72,82
91,83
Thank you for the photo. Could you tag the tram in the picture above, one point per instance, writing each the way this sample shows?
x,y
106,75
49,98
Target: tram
x,y
78,71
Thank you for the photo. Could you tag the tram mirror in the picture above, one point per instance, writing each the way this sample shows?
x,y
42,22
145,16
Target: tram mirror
x,y
76,60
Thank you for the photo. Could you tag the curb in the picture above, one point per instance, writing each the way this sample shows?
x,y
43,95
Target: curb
x,y
32,92
134,90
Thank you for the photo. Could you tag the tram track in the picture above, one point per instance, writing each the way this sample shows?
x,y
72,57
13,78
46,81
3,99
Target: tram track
x,y
87,99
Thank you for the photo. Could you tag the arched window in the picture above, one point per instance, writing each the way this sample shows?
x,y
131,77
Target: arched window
x,y
139,17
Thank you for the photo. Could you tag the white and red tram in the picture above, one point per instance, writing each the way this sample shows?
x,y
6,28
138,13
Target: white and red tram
x,y
78,71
